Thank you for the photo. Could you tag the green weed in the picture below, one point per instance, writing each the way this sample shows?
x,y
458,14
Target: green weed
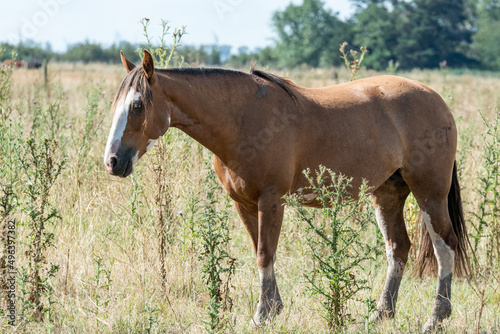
x,y
100,286
392,66
354,65
487,223
5,85
41,167
163,53
333,239
218,266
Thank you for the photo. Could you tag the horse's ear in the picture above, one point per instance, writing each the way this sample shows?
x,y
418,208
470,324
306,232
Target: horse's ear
x,y
129,66
148,64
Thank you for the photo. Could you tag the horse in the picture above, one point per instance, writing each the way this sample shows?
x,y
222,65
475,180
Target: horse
x,y
15,63
264,130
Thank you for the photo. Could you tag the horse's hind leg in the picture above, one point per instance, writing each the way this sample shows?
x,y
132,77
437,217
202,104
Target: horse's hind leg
x,y
389,200
438,224
432,197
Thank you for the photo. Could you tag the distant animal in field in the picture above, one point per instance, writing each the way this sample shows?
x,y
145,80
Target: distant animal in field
x,y
264,130
15,63
34,64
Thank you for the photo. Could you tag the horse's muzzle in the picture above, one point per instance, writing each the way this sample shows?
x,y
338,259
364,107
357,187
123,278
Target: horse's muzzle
x,y
120,164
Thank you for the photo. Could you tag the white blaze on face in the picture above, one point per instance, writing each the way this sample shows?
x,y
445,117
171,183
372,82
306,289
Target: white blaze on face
x,y
137,96
119,124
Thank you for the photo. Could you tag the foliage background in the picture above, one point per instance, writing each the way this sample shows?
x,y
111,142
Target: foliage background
x,y
410,33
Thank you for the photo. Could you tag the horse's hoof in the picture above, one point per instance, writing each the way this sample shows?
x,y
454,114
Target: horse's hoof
x,y
381,315
376,317
263,316
433,325
254,324
259,320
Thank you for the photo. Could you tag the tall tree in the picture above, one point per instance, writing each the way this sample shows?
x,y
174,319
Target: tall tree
x,y
434,31
487,39
309,34
377,23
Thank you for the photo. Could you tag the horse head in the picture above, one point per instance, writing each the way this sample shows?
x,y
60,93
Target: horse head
x,y
141,116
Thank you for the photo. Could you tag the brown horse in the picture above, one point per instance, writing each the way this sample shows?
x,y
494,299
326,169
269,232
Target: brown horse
x,y
264,131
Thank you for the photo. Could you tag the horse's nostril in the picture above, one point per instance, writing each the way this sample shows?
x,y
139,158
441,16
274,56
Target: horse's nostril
x,y
112,161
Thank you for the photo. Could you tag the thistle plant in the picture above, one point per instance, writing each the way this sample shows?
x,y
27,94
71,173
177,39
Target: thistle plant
x,y
42,167
47,118
10,144
164,215
353,65
164,212
163,53
218,266
5,85
90,130
392,66
333,238
100,285
487,220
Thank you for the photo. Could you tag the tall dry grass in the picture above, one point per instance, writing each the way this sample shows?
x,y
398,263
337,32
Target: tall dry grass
x,y
110,277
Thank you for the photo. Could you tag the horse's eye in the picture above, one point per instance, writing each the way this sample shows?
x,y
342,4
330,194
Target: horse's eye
x,y
136,107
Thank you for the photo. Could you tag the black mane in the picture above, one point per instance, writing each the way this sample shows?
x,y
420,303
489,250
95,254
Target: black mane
x,y
137,78
200,71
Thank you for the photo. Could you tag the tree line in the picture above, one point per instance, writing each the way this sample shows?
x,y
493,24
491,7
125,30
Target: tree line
x,y
401,34
404,33
87,52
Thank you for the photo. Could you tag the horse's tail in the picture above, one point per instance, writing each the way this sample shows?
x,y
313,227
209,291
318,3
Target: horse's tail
x,y
427,262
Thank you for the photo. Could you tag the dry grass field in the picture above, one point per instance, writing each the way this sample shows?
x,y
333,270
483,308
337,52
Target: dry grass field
x,y
106,241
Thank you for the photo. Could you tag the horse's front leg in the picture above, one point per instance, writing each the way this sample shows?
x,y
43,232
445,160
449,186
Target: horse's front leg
x,y
270,218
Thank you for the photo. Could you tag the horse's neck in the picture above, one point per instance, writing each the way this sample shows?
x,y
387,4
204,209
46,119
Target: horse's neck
x,y
204,108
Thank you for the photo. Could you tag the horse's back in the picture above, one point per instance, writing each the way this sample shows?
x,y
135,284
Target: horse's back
x,y
395,93
371,127
387,105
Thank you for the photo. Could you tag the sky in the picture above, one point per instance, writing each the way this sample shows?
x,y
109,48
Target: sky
x,y
226,22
